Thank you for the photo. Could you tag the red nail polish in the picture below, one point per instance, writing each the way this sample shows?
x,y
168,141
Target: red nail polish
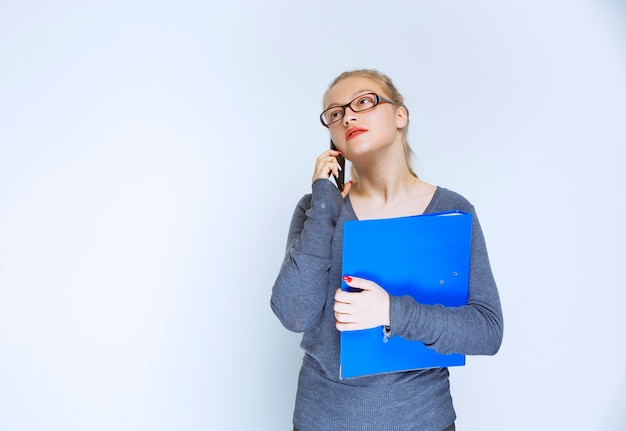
x,y
346,278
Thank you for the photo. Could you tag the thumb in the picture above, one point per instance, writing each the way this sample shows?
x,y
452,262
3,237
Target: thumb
x,y
359,283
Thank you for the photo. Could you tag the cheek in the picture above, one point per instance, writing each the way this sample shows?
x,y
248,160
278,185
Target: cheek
x,y
383,126
391,125
337,137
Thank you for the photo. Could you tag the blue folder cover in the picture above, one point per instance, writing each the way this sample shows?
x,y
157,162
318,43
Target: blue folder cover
x,y
425,256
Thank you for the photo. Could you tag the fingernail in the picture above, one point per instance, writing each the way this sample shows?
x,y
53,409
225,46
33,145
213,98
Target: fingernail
x,y
346,278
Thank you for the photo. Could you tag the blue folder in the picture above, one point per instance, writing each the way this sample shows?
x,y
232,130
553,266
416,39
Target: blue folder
x,y
425,256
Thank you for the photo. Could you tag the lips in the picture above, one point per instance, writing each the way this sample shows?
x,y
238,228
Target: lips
x,y
354,132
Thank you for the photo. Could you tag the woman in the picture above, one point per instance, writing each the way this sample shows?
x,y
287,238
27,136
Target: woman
x,y
368,122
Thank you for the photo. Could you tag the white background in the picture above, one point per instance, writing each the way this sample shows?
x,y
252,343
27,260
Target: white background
x,y
151,155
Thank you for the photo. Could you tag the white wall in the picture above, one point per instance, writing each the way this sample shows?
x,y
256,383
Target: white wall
x,y
151,154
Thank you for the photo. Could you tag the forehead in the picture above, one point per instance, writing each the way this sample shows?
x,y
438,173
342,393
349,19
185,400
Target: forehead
x,y
346,89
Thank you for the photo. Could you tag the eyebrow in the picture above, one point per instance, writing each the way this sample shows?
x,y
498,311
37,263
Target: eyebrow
x,y
354,95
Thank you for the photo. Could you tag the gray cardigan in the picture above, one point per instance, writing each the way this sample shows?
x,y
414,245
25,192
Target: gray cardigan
x,y
303,299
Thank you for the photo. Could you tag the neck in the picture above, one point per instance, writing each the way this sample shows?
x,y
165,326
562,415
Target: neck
x,y
385,182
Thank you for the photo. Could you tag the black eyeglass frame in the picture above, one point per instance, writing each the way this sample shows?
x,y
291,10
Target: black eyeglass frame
x,y
377,99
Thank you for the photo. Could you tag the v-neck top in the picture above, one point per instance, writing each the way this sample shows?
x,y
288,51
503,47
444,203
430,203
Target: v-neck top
x,y
303,300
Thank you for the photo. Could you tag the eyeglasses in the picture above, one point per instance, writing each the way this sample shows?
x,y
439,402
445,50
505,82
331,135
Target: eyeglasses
x,y
361,103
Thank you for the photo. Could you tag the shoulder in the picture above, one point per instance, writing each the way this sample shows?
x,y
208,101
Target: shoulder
x,y
304,203
448,200
324,195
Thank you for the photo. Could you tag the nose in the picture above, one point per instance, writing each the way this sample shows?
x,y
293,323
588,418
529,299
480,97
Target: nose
x,y
348,116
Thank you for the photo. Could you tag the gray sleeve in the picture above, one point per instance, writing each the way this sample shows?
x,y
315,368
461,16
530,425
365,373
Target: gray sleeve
x,y
300,290
474,329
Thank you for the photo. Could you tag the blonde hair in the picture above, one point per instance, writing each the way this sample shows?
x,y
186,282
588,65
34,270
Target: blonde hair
x,y
392,93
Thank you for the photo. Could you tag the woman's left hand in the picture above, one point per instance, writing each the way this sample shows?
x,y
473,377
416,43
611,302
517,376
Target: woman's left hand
x,y
361,310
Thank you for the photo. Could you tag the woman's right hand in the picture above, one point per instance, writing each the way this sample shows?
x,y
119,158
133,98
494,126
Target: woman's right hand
x,y
327,164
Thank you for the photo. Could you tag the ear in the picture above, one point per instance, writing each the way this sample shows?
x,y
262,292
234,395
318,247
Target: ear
x,y
402,117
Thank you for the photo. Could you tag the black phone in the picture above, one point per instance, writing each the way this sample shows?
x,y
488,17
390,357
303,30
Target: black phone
x,y
339,179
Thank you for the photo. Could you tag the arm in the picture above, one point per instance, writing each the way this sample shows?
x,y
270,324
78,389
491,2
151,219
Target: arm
x,y
473,329
300,290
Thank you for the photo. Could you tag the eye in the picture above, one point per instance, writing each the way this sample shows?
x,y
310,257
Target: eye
x,y
365,101
334,114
